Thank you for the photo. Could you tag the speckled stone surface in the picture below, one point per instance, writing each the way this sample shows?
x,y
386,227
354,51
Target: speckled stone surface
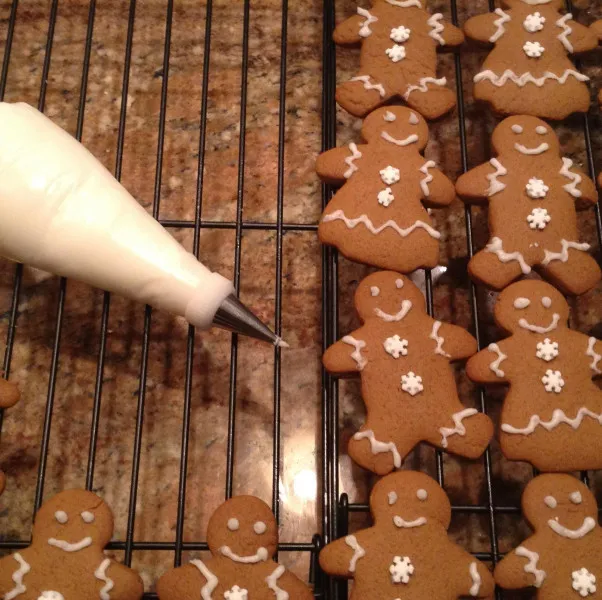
x,y
299,484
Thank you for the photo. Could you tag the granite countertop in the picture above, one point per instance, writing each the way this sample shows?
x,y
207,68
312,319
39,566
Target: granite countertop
x,y
300,481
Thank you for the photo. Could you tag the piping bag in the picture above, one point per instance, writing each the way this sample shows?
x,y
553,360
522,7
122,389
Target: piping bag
x,y
61,211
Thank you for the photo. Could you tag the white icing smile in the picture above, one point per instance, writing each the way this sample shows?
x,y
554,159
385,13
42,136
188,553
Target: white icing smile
x,y
262,554
543,147
402,524
406,305
67,547
573,534
538,329
411,139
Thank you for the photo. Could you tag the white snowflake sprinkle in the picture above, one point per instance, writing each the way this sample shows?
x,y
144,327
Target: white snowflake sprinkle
x,y
396,53
584,582
396,347
539,218
389,175
534,22
547,350
401,569
533,49
236,593
400,34
385,197
411,383
553,381
536,188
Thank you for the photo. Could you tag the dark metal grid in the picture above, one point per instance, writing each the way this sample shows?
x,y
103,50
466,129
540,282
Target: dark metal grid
x,y
129,545
337,508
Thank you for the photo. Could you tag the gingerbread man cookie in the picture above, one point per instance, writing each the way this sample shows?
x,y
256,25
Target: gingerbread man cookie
x,y
65,560
407,553
9,396
243,538
398,59
552,415
563,559
528,71
378,217
597,29
531,193
402,356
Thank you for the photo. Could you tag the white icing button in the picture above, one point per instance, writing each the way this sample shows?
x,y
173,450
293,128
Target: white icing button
x,y
389,175
411,383
584,582
392,496
546,301
400,34
385,197
550,502
534,22
396,53
575,497
547,350
259,527
536,188
539,218
61,516
87,516
374,291
399,283
517,129
401,569
233,524
533,49
422,494
522,302
541,130
553,381
396,347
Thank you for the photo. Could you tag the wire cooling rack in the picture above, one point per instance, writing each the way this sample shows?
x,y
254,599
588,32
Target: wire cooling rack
x,y
336,508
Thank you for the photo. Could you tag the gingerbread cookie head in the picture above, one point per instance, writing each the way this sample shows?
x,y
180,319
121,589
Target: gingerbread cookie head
x,y
409,499
396,124
532,306
560,502
244,529
556,4
387,293
524,136
73,520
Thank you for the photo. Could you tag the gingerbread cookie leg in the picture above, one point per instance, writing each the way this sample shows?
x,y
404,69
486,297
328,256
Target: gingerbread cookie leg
x,y
466,433
572,270
362,94
496,268
430,97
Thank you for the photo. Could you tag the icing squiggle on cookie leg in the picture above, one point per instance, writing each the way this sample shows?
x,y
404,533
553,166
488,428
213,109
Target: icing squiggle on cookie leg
x,y
496,247
379,447
563,255
423,85
368,85
459,428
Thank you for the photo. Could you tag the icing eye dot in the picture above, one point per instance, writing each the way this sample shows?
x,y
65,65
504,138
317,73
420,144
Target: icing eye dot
x,y
374,291
399,283
414,119
259,527
550,502
575,497
546,301
233,524
517,129
522,302
389,117
422,494
61,516
541,130
87,516
392,498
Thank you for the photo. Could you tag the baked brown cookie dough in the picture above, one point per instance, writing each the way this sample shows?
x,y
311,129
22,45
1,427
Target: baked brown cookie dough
x,y
532,194
407,553
399,41
65,559
243,537
563,558
403,358
9,396
552,414
378,217
528,72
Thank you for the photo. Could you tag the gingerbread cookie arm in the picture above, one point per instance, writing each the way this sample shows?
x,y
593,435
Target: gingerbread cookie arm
x,y
470,576
478,184
488,365
451,35
520,569
483,28
282,582
118,581
594,356
348,355
580,38
437,189
9,394
581,187
183,583
339,558
347,33
337,165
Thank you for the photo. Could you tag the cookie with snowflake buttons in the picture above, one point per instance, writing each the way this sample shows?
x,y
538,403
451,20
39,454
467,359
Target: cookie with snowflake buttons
x,y
399,41
9,396
563,558
407,552
552,414
65,559
243,537
533,195
379,215
403,357
529,70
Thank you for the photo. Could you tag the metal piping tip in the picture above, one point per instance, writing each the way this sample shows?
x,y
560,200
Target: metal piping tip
x,y
234,316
